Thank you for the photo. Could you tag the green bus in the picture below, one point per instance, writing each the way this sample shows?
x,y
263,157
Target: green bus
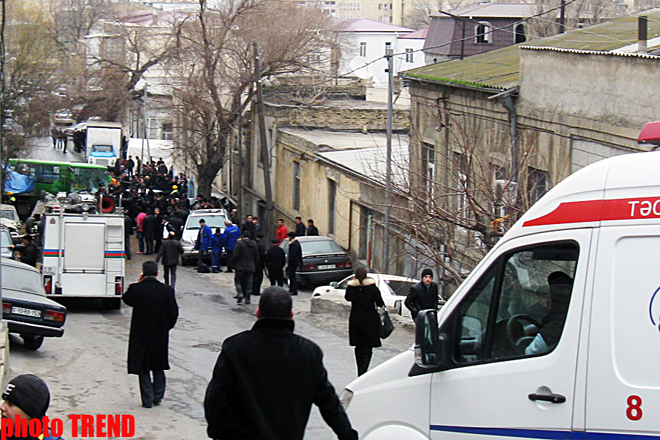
x,y
35,176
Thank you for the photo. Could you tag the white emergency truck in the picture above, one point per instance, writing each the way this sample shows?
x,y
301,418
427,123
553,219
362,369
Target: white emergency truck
x,y
83,256
554,335
103,142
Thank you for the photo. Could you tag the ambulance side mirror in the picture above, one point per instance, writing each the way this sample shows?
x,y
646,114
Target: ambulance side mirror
x,y
428,345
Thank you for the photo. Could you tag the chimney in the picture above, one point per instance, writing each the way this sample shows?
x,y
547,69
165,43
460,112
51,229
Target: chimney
x,y
642,34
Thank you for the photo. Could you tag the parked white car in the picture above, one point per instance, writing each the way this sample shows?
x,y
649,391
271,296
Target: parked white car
x,y
393,289
215,218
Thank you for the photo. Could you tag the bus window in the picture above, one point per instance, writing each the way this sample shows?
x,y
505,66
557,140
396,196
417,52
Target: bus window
x,y
47,173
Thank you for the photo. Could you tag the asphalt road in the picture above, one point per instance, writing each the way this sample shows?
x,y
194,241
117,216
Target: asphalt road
x,y
86,369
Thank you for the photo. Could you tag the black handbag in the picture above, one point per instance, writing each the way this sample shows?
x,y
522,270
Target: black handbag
x,y
386,326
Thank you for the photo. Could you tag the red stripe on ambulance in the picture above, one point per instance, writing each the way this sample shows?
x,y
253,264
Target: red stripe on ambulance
x,y
600,210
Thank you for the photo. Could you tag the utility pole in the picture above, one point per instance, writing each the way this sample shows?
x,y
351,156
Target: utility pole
x,y
388,160
264,147
144,117
562,17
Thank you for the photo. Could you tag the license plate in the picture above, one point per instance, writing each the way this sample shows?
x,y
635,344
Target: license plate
x,y
46,270
326,266
26,312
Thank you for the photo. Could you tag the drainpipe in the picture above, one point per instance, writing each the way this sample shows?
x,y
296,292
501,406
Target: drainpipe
x,y
506,99
642,34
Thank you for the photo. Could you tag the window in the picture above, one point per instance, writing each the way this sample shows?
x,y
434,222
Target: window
x,y
428,159
167,131
519,33
537,184
482,32
47,173
410,56
296,186
332,206
519,307
363,49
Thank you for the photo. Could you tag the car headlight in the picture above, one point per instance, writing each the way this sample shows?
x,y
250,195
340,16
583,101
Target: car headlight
x,y
345,398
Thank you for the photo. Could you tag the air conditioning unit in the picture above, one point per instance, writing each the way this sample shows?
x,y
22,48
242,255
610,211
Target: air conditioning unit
x,y
505,192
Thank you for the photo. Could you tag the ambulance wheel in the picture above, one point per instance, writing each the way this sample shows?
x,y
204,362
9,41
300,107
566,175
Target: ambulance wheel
x,y
112,303
32,342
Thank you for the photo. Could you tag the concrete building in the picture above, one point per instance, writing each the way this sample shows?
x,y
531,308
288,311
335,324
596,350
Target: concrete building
x,y
520,119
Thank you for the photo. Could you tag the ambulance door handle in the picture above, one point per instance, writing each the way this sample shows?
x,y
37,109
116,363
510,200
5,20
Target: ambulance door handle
x,y
552,398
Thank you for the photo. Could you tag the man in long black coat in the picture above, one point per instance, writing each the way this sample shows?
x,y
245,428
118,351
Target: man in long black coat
x,y
294,261
266,380
155,312
275,262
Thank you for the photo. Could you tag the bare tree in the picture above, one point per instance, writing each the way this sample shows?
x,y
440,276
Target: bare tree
x,y
216,68
459,201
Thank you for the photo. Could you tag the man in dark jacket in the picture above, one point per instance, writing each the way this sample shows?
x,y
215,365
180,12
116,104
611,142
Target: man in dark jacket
x,y
266,380
300,227
423,295
275,262
148,227
294,262
169,251
29,251
244,260
249,226
311,229
259,264
155,312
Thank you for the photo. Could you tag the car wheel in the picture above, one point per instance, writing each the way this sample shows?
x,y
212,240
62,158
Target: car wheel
x,y
112,303
32,342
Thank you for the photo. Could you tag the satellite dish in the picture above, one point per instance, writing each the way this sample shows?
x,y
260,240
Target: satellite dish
x,y
360,68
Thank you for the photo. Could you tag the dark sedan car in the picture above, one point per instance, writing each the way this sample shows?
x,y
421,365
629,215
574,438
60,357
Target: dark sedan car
x,y
25,307
323,260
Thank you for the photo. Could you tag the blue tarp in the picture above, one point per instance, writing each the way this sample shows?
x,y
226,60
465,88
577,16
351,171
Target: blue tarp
x,y
18,183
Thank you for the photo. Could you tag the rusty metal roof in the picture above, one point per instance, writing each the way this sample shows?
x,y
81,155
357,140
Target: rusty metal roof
x,y
499,69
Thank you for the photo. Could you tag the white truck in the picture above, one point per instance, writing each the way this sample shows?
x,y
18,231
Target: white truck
x,y
103,142
83,256
554,335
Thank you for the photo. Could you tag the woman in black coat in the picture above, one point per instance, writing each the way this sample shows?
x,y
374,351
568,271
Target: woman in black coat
x,y
364,321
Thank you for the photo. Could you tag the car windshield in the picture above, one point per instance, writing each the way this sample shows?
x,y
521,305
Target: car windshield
x,y
320,247
102,148
213,221
17,278
400,288
10,214
89,178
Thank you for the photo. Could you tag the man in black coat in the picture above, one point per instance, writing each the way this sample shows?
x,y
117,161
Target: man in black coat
x,y
169,251
244,261
300,227
267,378
294,262
155,312
259,265
148,228
29,251
275,262
423,295
311,229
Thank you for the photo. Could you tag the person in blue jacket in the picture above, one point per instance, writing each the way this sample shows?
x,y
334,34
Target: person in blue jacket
x,y
216,247
204,241
229,239
27,396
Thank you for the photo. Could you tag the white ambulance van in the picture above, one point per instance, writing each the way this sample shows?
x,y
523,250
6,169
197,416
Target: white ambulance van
x,y
554,335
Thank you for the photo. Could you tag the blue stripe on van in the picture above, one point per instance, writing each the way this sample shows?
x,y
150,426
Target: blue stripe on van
x,y
540,434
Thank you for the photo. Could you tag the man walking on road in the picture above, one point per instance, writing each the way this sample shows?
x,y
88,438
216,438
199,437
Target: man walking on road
x,y
155,312
169,251
267,378
294,262
244,260
275,262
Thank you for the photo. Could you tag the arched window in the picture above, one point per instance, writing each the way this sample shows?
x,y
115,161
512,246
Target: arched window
x,y
519,33
482,32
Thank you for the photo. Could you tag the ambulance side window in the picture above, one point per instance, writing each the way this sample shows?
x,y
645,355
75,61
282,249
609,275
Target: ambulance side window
x,y
519,306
